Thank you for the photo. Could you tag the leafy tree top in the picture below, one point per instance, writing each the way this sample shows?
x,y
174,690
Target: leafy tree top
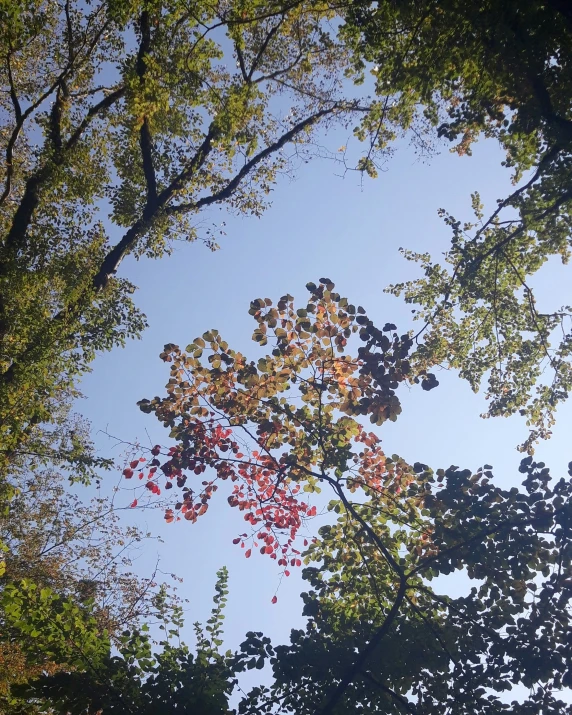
x,y
144,114
503,70
279,428
382,635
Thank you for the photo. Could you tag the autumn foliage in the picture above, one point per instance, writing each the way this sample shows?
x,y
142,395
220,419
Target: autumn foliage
x,y
278,428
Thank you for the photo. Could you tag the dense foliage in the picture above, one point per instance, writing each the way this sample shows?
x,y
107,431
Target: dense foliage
x,y
140,677
382,634
121,124
502,69
61,554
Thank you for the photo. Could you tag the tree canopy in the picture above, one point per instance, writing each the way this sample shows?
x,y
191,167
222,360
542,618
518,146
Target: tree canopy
x,y
502,70
124,121
382,636
140,677
121,125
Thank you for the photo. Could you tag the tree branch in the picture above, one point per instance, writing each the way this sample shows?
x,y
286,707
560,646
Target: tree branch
x,y
405,704
30,198
145,138
263,48
362,657
234,183
481,536
475,263
69,33
20,119
56,118
102,106
241,63
192,167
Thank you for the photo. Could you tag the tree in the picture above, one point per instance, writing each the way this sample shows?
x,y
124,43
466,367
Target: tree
x,y
502,69
122,122
42,634
60,549
381,636
135,107
138,680
80,549
437,653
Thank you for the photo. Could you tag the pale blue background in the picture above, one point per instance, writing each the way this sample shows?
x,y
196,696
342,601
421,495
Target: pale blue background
x,y
319,225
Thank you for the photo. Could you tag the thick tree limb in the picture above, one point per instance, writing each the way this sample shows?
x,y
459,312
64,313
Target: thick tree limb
x,y
30,199
97,109
145,138
20,119
362,657
129,241
192,166
234,183
112,260
263,48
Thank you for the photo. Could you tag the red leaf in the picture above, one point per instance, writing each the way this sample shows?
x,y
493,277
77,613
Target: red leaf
x,y
247,553
134,464
274,599
134,503
128,473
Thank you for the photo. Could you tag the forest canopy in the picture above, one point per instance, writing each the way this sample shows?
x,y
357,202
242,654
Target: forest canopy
x,y
428,589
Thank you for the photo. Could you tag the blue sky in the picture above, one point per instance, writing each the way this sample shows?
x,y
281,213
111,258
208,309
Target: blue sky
x,y
318,225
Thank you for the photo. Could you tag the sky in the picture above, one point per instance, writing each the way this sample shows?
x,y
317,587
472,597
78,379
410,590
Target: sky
x,y
320,224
